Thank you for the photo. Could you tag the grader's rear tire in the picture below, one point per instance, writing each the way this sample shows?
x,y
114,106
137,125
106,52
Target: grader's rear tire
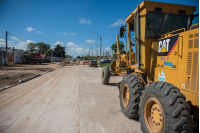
x,y
130,91
105,75
163,109
113,65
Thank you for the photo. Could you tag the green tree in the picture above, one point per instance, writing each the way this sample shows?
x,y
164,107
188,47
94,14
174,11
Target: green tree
x,y
58,50
31,47
48,52
26,52
67,56
42,45
121,47
78,57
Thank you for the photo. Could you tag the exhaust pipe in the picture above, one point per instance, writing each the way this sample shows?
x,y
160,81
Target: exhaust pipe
x,y
190,20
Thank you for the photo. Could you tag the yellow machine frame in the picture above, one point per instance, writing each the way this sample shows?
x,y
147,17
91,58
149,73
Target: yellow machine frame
x,y
152,65
171,58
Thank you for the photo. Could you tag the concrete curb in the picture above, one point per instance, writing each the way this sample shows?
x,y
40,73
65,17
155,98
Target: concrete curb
x,y
32,77
7,87
25,80
47,71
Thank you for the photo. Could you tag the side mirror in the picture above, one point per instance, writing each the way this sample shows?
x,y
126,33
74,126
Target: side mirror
x,y
121,32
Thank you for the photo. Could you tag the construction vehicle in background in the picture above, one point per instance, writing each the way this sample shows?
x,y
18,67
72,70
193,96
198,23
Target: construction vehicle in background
x,y
161,85
32,58
73,60
46,59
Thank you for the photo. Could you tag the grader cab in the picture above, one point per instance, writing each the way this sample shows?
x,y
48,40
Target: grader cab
x,y
161,85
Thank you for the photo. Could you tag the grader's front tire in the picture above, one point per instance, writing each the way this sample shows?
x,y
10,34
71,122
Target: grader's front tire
x,y
130,91
105,75
163,109
113,65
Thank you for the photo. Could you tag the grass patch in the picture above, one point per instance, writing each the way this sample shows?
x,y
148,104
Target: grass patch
x,y
1,66
105,64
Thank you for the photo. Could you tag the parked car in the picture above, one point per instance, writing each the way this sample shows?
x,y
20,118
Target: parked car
x,y
92,63
105,61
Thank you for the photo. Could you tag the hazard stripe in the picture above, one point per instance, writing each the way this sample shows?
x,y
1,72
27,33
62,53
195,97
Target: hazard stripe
x,y
173,47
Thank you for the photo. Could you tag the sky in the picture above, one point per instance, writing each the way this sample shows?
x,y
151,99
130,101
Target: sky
x,y
70,23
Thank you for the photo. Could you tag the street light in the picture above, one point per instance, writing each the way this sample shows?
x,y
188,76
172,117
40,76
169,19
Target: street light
x,y
100,44
92,49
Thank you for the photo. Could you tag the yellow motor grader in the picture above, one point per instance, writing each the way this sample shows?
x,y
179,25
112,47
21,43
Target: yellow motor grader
x,y
161,85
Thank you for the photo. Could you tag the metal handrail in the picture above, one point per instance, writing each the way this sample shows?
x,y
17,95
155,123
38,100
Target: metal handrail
x,y
172,32
193,25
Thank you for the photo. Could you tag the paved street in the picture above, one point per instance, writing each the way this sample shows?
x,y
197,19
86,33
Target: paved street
x,y
71,99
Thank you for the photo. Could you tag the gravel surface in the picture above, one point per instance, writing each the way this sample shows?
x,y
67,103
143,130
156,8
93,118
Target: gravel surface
x,y
70,99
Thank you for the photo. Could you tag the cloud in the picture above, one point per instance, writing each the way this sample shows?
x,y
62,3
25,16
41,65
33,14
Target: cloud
x,y
3,42
70,52
77,50
84,21
62,33
117,23
71,49
107,48
39,31
73,33
59,42
71,44
90,41
80,50
30,29
23,44
15,38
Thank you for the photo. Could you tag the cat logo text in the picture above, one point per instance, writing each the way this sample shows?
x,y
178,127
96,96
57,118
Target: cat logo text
x,y
163,46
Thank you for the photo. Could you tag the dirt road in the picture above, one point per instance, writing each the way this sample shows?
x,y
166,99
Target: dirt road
x,y
69,100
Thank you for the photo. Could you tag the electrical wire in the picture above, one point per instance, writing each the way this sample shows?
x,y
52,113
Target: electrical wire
x,y
17,37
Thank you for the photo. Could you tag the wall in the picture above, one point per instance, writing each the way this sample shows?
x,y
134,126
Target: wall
x,y
18,56
57,59
2,56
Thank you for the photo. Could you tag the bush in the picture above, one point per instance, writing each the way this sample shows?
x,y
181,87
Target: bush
x,y
105,64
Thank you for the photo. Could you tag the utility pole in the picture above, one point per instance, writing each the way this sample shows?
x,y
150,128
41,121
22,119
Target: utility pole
x,y
89,52
61,57
41,50
97,47
6,47
103,53
100,47
112,52
92,51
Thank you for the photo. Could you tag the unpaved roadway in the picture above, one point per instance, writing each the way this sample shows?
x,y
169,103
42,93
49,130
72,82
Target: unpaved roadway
x,y
71,99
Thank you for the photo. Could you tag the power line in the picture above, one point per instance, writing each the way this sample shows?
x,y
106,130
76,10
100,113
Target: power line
x,y
17,37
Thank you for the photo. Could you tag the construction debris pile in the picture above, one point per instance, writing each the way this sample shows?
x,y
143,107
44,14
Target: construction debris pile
x,y
85,62
65,63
